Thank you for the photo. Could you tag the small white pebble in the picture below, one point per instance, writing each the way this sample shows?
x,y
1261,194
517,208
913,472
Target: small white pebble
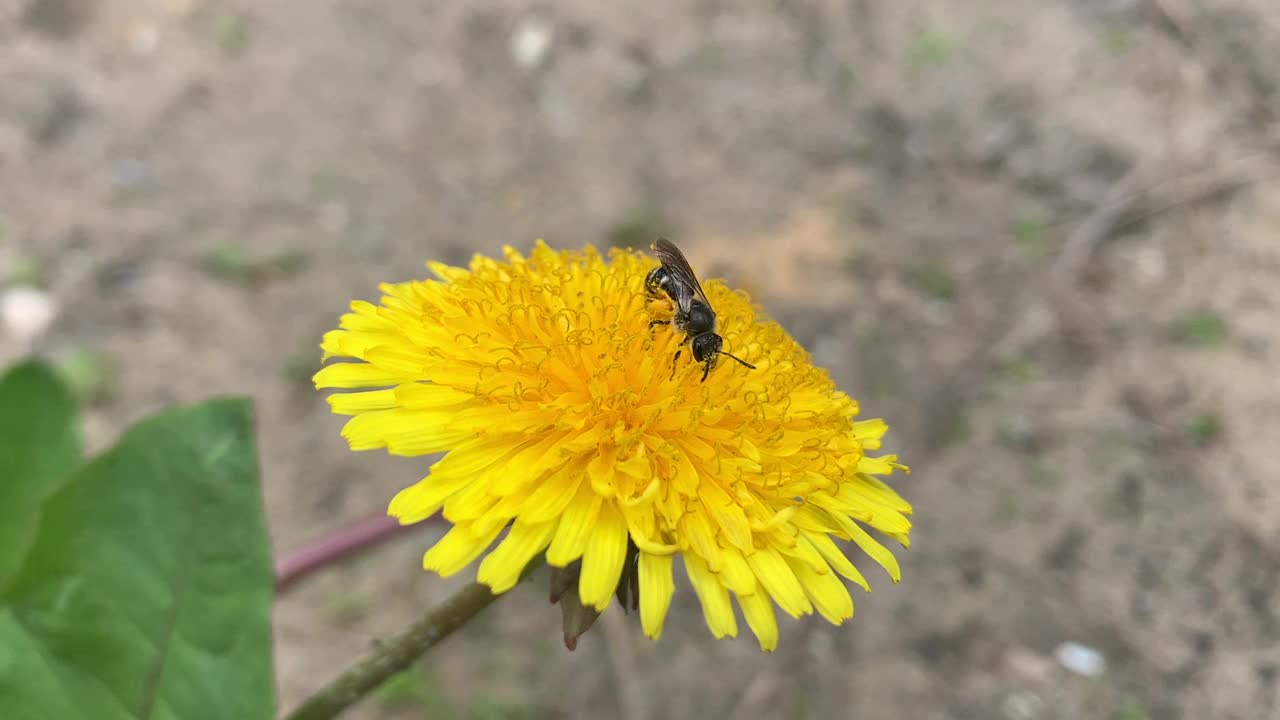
x,y
530,43
1080,659
27,312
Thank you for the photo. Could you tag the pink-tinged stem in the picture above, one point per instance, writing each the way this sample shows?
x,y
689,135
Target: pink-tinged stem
x,y
336,546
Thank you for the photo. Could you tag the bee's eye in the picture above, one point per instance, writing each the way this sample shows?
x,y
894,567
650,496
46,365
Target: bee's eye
x,y
706,346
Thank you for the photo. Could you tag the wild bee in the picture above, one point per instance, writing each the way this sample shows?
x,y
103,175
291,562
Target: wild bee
x,y
693,314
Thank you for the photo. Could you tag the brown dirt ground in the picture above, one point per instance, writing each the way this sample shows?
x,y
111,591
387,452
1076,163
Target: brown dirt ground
x,y
1093,446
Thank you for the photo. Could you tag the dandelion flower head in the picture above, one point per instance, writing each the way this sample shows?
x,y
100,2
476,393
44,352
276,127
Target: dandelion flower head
x,y
553,399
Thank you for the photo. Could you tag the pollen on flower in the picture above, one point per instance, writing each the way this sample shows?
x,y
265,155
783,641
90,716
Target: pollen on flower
x,y
554,401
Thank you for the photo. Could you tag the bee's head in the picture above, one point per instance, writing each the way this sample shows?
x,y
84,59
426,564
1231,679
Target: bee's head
x,y
706,347
654,281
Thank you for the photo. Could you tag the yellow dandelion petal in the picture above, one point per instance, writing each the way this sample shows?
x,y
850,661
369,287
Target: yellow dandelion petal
x,y
401,432
600,469
878,552
469,504
501,569
686,478
776,577
576,525
737,574
878,465
422,499
527,465
696,447
541,380
815,519
405,360
882,493
696,528
349,375
457,549
446,272
465,467
656,591
636,466
360,402
803,551
553,494
431,396
825,591
713,596
364,316
641,526
730,518
757,608
476,458
869,432
603,558
838,560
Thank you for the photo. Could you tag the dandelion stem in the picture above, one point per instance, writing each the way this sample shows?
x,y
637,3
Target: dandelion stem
x,y
398,654
337,546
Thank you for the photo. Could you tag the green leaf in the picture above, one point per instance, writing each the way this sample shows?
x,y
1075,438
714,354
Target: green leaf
x,y
147,592
39,446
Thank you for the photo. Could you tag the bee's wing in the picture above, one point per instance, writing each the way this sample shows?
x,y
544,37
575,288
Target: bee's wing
x,y
686,282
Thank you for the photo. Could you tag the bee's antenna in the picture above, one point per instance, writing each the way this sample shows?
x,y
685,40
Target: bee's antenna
x,y
740,360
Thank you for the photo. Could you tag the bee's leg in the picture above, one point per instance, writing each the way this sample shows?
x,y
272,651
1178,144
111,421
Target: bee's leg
x,y
674,360
658,322
706,370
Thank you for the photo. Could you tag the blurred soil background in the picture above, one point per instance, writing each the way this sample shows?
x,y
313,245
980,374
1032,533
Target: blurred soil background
x,y
1041,238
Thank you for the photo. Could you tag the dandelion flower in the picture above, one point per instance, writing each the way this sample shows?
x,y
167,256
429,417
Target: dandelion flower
x,y
553,400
